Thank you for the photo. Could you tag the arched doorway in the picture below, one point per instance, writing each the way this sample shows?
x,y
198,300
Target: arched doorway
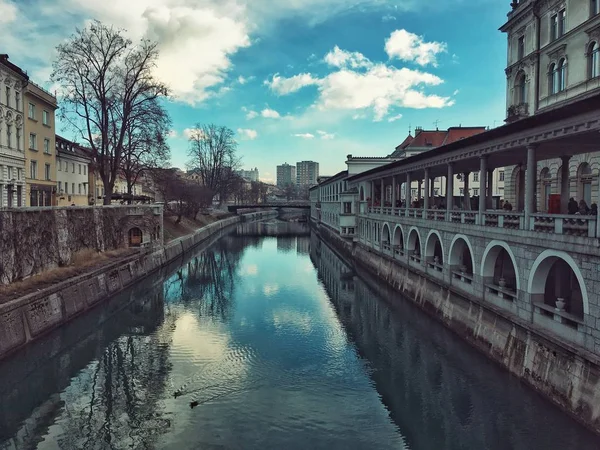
x,y
135,237
434,254
556,281
460,259
499,270
584,183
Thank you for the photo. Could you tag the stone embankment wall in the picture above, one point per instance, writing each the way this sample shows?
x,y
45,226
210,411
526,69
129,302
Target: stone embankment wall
x,y
29,317
33,240
567,375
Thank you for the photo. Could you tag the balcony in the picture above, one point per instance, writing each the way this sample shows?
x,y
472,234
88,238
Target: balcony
x,y
517,112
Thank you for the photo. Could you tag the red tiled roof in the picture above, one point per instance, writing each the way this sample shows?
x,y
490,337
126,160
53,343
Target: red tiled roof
x,y
457,133
406,142
428,139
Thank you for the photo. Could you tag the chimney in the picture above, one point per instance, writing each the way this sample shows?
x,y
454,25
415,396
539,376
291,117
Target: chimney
x,y
418,130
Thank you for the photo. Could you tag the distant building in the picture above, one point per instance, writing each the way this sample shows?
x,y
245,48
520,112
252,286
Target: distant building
x,y
251,175
307,173
12,155
286,174
72,167
40,153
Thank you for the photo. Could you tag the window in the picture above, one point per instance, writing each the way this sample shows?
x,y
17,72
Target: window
x,y
462,191
557,25
60,187
521,47
501,175
18,134
33,170
79,187
47,172
594,59
562,75
45,117
73,186
475,176
73,167
79,168
520,88
594,7
7,96
32,141
31,111
66,187
436,192
84,169
47,146
59,165
557,77
8,134
475,192
17,100
347,207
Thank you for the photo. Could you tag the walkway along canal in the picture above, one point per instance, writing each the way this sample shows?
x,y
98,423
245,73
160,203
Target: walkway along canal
x,y
256,342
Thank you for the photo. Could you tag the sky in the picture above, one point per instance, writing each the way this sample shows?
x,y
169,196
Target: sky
x,y
295,79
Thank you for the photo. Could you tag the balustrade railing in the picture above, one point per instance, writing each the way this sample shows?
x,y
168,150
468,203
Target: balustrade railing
x,y
503,219
572,225
436,214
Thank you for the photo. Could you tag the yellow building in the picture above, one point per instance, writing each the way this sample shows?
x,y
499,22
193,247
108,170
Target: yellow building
x,y
40,153
72,168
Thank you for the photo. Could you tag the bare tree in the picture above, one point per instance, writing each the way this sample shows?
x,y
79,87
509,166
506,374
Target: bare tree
x,y
145,145
106,84
212,155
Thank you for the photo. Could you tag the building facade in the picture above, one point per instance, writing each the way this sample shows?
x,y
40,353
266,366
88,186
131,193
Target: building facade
x,y
40,153
251,175
307,173
286,174
12,155
72,173
553,59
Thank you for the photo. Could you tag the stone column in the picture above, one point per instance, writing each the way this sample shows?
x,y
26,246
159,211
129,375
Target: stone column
x,y
382,194
530,176
393,194
427,192
407,194
467,196
482,194
450,190
565,187
490,188
419,182
372,193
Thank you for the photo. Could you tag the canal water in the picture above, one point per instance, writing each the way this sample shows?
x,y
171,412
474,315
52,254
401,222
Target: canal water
x,y
265,339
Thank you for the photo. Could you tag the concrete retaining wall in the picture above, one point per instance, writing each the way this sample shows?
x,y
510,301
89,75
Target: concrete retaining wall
x,y
568,376
27,318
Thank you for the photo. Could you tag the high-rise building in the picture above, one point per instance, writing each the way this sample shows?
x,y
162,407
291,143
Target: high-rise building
x,y
286,174
12,155
251,175
307,173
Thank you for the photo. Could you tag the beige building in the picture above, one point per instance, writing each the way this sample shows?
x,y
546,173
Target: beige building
x,y
40,153
12,155
553,60
72,169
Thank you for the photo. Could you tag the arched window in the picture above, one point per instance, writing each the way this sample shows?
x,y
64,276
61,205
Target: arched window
x,y
521,88
562,75
594,59
552,79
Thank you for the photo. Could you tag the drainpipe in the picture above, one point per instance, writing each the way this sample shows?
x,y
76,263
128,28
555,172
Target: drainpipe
x,y
536,100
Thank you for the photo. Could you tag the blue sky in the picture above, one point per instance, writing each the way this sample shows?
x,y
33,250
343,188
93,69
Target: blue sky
x,y
301,79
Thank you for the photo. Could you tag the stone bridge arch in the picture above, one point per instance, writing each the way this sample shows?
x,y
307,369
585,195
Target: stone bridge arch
x,y
399,237
434,247
414,242
499,262
461,254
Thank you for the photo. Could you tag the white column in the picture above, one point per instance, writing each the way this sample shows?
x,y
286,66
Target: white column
x,y
467,199
393,193
482,195
450,190
407,193
427,191
490,188
530,175
565,188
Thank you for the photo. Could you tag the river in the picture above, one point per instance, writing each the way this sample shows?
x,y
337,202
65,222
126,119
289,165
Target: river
x,y
266,339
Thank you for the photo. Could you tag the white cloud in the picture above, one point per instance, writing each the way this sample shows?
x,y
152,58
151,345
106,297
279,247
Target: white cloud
x,y
172,133
8,12
247,133
251,115
388,18
455,92
191,132
408,46
304,135
285,86
394,118
341,58
270,113
243,80
325,135
361,85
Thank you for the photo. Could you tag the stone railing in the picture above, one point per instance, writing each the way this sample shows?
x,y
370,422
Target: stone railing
x,y
436,214
573,225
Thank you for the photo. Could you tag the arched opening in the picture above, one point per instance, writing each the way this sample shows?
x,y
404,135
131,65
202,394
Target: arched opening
x,y
434,254
385,237
499,271
460,259
556,281
398,240
545,188
584,183
414,245
518,181
594,58
521,88
135,237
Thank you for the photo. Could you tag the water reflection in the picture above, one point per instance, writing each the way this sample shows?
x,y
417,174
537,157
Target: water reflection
x,y
441,393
